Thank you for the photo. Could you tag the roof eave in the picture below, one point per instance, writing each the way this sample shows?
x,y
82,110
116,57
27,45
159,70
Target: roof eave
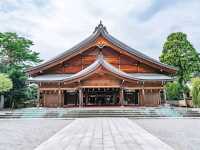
x,y
101,30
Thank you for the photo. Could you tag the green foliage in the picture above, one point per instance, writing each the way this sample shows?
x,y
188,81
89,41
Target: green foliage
x,y
32,92
15,50
196,92
15,57
5,83
179,52
173,91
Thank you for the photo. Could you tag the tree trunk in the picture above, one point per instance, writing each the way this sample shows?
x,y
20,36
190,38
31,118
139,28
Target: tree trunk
x,y
183,90
2,102
184,98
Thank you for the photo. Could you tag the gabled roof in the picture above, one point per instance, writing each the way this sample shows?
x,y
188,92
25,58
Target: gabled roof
x,y
101,30
93,67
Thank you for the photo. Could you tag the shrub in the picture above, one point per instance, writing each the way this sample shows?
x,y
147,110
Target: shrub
x,y
196,91
5,83
173,91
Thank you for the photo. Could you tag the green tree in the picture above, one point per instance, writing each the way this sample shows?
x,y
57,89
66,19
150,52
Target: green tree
x,y
15,57
173,91
196,91
179,52
32,91
5,85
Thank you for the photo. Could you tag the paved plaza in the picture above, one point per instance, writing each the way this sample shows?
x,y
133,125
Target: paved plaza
x,y
27,134
103,134
181,134
99,133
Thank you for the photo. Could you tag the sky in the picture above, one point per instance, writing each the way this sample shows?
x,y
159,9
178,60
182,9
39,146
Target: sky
x,y
57,25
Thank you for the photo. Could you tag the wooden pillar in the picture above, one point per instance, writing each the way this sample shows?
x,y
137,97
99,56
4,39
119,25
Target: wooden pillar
x,y
38,95
44,99
121,96
143,96
80,93
59,98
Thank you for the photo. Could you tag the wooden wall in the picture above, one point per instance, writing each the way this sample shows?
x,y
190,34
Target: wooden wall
x,y
81,61
151,97
51,100
101,80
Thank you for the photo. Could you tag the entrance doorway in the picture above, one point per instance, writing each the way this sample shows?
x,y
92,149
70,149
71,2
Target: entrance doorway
x,y
71,98
131,97
101,96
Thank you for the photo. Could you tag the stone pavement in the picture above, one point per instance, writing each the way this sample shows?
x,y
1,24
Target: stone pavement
x,y
103,134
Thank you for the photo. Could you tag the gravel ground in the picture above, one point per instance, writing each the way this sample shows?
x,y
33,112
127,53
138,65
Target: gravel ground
x,y
26,134
181,134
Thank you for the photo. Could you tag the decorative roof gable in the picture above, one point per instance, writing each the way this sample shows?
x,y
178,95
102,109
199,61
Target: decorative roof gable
x,y
100,30
101,62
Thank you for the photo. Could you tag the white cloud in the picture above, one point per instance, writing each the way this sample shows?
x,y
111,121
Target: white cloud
x,y
56,25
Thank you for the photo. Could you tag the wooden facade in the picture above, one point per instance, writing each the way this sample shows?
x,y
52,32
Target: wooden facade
x,y
101,71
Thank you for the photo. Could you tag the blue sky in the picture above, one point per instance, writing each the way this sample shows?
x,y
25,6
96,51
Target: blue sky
x,y
56,25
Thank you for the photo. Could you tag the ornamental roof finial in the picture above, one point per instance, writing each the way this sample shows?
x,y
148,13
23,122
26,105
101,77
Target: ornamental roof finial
x,y
100,27
100,22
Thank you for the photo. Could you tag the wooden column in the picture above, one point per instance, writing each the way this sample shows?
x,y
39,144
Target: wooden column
x,y
59,95
38,95
80,93
121,96
44,100
143,96
142,93
59,98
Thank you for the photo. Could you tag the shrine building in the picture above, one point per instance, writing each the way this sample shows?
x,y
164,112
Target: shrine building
x,y
101,71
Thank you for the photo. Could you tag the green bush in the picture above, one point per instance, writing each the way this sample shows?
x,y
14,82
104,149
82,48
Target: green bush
x,y
173,91
5,83
31,92
196,91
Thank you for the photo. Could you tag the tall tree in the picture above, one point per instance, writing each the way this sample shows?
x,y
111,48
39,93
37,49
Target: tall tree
x,y
5,85
179,52
15,50
15,56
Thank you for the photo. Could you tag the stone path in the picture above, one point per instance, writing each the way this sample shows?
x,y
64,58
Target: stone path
x,y
103,134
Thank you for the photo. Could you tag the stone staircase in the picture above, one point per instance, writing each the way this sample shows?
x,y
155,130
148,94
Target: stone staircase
x,y
130,112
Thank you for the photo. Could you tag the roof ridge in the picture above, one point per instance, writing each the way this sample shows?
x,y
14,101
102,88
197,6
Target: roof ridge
x,y
100,29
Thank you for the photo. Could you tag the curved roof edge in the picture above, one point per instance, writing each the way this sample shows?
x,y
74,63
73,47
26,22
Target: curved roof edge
x,y
91,69
101,30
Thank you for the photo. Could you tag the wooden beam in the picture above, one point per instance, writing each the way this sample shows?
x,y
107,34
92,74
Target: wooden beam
x,y
100,86
138,88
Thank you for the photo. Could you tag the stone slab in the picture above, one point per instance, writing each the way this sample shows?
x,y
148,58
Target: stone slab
x,y
103,134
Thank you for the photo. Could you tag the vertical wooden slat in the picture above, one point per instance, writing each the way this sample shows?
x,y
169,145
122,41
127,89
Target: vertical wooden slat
x,y
44,98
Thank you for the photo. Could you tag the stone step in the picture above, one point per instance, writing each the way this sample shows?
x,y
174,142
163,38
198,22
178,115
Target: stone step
x,y
134,116
86,112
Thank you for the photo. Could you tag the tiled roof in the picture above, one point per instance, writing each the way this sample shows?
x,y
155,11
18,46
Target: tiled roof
x,y
101,62
101,30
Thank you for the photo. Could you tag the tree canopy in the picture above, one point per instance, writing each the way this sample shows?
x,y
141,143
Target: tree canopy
x,y
5,83
15,50
16,56
179,52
